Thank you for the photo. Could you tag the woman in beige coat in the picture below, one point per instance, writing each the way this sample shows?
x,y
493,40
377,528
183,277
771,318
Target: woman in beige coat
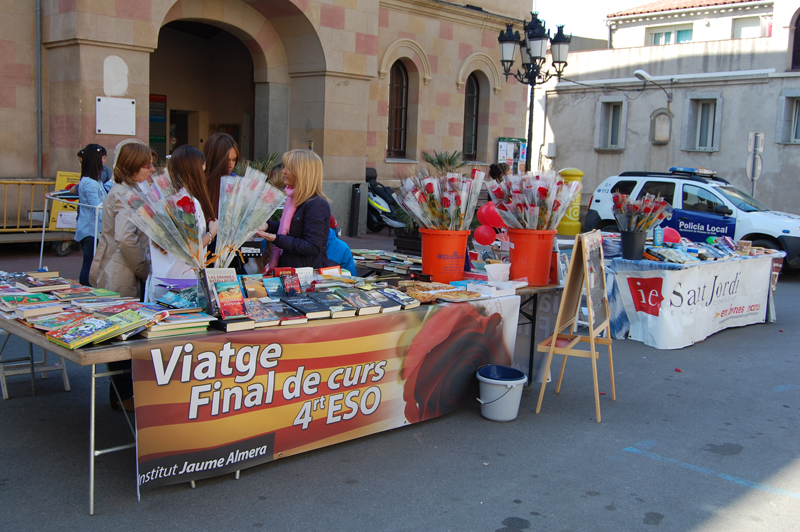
x,y
121,262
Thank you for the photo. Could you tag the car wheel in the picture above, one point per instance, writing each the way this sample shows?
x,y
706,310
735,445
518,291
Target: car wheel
x,y
610,228
768,244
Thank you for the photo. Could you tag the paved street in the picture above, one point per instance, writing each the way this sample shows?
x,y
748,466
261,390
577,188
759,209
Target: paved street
x,y
712,447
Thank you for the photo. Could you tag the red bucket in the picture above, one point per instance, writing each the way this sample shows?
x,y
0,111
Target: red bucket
x,y
531,255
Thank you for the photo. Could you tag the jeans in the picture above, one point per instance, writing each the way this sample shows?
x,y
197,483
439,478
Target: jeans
x,y
88,254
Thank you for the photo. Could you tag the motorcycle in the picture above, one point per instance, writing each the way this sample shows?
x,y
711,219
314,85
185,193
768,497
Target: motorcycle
x,y
380,205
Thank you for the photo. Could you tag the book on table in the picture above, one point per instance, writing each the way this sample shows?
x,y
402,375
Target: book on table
x,y
291,284
126,321
359,299
100,302
52,322
311,308
253,285
33,284
287,314
82,332
84,292
179,321
260,314
338,307
11,302
173,300
233,325
149,333
29,311
407,301
387,304
211,276
230,300
274,287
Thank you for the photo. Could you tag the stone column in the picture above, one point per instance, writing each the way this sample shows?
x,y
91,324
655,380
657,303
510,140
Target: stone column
x,y
271,119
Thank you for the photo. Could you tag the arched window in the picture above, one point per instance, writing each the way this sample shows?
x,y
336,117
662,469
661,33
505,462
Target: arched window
x,y
471,104
796,44
398,111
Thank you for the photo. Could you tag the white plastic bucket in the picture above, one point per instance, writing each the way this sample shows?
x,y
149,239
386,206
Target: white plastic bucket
x,y
501,391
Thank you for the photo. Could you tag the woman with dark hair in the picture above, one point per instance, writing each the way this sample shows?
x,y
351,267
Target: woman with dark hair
x,y
121,262
91,193
300,239
222,154
185,169
497,171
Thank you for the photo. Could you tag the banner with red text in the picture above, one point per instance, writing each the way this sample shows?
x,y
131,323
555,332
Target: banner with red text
x,y
670,309
215,403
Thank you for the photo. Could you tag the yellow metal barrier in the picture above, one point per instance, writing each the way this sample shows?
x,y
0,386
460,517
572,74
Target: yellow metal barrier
x,y
16,194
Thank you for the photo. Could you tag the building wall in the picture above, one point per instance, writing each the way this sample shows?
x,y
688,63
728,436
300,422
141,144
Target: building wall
x,y
707,24
748,74
319,69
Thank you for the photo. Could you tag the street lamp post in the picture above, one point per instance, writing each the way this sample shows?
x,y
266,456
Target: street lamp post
x,y
533,50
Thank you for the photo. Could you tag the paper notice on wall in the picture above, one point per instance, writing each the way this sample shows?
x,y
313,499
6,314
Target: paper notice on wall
x,y
502,148
67,220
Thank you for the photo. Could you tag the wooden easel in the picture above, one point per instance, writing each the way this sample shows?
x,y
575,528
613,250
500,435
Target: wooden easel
x,y
585,269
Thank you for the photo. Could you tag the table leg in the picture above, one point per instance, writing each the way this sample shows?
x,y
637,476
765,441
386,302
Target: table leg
x,y
91,440
33,370
532,319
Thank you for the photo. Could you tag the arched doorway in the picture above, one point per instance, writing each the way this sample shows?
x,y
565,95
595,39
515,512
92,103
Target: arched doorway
x,y
201,82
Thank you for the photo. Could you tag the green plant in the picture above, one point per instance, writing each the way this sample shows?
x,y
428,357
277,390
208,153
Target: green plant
x,y
262,165
444,161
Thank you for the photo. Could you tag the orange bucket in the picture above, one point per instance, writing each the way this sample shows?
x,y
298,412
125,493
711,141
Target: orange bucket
x,y
443,254
531,254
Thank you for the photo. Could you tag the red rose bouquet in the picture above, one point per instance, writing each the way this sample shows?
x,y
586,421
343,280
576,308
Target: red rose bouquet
x,y
533,201
445,203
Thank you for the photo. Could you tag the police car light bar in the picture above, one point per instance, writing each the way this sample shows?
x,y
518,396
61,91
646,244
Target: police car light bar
x,y
692,170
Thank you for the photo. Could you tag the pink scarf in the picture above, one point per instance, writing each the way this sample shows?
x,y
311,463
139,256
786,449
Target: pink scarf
x,y
289,209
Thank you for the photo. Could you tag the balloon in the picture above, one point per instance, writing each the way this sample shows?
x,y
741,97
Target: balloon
x,y
492,217
481,216
484,235
671,235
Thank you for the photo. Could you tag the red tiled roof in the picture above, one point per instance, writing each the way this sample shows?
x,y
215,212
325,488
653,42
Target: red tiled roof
x,y
673,5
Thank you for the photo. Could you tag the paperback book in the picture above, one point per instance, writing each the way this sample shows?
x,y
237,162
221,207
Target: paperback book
x,y
233,325
260,314
359,299
311,308
291,284
287,314
12,302
338,307
407,301
230,300
29,311
126,321
82,332
173,300
253,285
84,292
274,287
32,284
56,321
209,277
387,304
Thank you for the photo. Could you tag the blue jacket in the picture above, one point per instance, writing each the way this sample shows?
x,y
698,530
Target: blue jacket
x,y
90,193
306,243
339,252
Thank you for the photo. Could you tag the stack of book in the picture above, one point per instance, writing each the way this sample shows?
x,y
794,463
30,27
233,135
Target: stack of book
x,y
180,324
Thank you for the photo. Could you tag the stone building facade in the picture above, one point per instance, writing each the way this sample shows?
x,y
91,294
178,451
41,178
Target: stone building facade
x,y
280,74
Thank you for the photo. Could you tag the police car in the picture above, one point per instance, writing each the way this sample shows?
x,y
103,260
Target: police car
x,y
704,205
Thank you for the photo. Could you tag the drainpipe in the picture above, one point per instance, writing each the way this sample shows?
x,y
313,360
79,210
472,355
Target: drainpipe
x,y
39,87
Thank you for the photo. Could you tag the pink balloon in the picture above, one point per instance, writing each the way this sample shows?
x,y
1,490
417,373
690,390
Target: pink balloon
x,y
484,235
671,235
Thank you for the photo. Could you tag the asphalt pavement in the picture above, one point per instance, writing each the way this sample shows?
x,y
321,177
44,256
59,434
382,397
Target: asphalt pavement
x,y
704,438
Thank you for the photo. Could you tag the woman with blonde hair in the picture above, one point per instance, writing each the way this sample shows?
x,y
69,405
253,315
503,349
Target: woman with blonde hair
x,y
300,240
121,261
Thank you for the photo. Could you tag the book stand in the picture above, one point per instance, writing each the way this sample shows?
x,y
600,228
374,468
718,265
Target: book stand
x,y
585,269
